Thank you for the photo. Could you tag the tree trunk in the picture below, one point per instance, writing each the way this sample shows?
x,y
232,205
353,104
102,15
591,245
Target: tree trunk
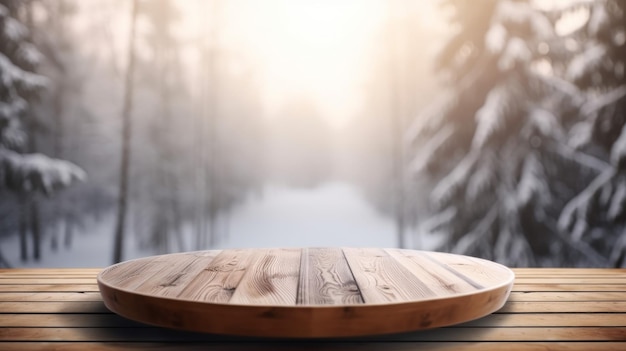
x,y
397,129
4,263
35,228
202,171
176,223
207,142
69,231
31,199
54,235
213,112
23,227
118,241
59,210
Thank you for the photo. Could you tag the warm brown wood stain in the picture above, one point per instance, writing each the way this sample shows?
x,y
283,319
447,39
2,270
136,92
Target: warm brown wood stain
x,y
549,309
311,292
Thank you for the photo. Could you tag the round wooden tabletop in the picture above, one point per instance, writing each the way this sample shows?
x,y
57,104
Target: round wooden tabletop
x,y
310,292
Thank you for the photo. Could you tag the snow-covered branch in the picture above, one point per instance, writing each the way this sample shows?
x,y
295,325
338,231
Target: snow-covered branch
x,y
602,101
474,238
36,172
584,159
575,208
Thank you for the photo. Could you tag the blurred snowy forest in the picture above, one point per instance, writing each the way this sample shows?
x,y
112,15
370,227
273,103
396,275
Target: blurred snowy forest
x,y
496,130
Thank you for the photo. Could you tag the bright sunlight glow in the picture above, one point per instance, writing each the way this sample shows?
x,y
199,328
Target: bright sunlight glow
x,y
311,49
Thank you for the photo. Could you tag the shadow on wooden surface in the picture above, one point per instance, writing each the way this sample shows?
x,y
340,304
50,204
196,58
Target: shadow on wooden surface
x,y
107,327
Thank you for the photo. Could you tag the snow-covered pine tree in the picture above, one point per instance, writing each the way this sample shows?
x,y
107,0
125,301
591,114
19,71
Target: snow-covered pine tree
x,y
597,215
19,86
495,144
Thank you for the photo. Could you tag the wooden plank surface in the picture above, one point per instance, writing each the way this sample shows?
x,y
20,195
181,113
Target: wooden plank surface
x,y
326,279
153,334
171,280
535,319
524,323
382,279
272,280
509,307
214,281
281,292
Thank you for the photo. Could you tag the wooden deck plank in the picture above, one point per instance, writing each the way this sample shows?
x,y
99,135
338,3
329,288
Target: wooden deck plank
x,y
44,276
583,319
567,296
569,287
571,275
515,296
53,307
514,334
150,334
516,287
106,320
322,345
325,278
54,272
509,307
67,320
49,288
564,306
50,296
561,270
577,280
582,309
518,271
46,280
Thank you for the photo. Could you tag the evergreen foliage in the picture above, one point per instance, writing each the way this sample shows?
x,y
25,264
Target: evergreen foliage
x,y
517,142
20,85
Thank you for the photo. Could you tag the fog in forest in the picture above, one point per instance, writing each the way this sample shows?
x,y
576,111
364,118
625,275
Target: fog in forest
x,y
131,128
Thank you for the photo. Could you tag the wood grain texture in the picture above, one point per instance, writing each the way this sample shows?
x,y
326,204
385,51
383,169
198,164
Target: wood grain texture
x,y
326,279
440,280
498,320
475,271
615,287
68,323
50,287
216,281
171,279
272,280
143,334
382,279
314,292
567,296
133,273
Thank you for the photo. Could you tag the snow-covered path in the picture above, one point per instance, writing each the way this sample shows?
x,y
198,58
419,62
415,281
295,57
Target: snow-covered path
x,y
334,214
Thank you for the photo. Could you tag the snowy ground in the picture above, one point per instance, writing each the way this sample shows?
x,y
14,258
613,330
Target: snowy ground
x,y
334,214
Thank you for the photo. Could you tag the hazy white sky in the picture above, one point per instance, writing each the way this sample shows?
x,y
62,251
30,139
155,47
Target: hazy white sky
x,y
313,49
317,49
